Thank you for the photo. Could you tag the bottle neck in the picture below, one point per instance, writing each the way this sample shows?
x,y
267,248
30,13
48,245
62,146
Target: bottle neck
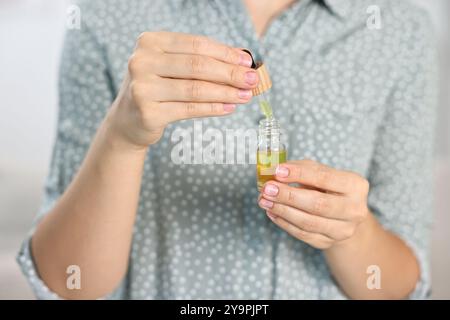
x,y
269,134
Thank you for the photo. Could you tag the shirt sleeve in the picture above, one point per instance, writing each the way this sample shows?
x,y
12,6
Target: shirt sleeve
x,y
85,93
401,174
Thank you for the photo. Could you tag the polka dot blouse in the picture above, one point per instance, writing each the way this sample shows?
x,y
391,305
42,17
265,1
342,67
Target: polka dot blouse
x,y
347,94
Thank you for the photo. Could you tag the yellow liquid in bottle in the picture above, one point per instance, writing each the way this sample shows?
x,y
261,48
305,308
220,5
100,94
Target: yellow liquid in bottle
x,y
266,164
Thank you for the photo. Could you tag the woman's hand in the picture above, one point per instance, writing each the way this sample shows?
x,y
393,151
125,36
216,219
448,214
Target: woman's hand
x,y
325,209
174,76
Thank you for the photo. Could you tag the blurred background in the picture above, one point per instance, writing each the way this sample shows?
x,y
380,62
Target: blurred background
x,y
31,34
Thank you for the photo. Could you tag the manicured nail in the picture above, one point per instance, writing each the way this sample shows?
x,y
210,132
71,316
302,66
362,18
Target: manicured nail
x,y
245,60
271,190
251,77
245,94
229,107
270,215
282,172
266,203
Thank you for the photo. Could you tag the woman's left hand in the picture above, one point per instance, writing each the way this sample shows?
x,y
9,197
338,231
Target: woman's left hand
x,y
324,209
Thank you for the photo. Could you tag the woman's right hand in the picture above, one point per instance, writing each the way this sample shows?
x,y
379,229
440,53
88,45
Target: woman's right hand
x,y
175,76
171,77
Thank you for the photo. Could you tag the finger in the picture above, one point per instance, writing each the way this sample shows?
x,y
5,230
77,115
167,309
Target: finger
x,y
175,111
168,90
334,229
171,42
184,66
312,201
317,175
316,240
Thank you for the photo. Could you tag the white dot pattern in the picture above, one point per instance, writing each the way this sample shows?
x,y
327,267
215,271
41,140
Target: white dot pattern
x,y
347,96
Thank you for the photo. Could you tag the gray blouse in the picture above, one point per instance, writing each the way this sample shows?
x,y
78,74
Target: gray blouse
x,y
347,94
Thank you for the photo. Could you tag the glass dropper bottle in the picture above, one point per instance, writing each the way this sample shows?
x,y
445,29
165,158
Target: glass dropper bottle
x,y
271,149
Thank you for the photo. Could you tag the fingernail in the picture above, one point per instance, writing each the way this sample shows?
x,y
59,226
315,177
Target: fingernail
x,y
271,190
270,215
251,77
245,60
229,107
245,94
266,203
282,172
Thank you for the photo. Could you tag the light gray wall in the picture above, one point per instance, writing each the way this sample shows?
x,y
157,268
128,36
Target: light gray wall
x,y
31,32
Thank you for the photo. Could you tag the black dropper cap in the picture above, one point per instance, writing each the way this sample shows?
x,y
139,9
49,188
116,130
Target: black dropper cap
x,y
253,59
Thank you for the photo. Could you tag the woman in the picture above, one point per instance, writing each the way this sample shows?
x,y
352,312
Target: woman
x,y
356,103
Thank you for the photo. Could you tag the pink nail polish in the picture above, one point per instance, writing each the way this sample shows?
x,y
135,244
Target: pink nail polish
x,y
245,60
271,190
271,216
282,172
229,107
251,77
266,203
245,94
